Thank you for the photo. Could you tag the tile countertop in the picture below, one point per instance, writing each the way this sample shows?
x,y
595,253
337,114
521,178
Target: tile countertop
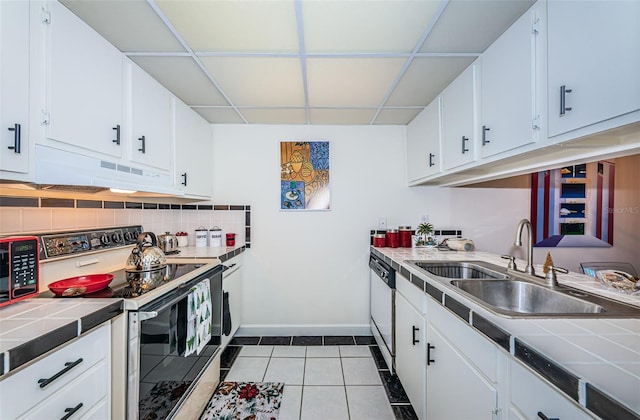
x,y
602,353
223,253
32,327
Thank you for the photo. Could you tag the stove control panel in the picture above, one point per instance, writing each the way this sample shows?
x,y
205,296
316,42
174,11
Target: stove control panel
x,y
73,243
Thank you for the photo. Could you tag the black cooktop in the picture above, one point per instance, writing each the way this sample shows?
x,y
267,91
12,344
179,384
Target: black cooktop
x,y
119,287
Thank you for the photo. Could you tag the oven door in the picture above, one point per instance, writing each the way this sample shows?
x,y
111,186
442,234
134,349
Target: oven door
x,y
160,373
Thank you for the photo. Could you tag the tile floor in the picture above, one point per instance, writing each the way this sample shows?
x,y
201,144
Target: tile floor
x,y
326,377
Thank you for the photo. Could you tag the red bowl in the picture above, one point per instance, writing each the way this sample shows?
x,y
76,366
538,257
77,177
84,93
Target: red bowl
x,y
92,283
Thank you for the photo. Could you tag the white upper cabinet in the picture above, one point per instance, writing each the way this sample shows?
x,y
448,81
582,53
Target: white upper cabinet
x,y
423,143
459,119
193,152
152,121
593,62
14,87
84,85
509,112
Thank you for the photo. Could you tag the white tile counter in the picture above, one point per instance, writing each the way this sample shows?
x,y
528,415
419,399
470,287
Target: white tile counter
x,y
223,253
603,353
32,327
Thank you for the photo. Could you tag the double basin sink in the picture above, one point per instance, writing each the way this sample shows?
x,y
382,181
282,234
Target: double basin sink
x,y
509,293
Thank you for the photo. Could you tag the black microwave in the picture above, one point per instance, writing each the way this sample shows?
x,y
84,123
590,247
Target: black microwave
x,y
19,268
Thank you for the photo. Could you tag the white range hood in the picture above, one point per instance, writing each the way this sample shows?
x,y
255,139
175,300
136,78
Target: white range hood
x,y
63,168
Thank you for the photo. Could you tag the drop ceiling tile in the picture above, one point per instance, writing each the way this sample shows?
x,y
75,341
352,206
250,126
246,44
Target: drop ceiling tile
x,y
471,26
338,82
249,26
365,26
219,115
183,77
425,79
341,116
258,81
129,25
275,115
396,116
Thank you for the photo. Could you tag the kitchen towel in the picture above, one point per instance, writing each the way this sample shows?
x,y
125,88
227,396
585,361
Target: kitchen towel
x,y
199,312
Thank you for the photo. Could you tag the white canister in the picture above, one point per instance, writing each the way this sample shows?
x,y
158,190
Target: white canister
x,y
215,237
201,237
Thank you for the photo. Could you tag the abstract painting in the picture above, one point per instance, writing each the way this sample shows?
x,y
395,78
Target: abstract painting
x,y
304,175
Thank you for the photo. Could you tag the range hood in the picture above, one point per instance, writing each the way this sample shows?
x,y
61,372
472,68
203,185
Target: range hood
x,y
61,170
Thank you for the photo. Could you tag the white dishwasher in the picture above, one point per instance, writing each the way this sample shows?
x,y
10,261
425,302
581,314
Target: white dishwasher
x,y
383,288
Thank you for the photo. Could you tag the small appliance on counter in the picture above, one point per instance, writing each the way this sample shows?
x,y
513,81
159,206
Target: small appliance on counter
x,y
168,243
19,268
460,244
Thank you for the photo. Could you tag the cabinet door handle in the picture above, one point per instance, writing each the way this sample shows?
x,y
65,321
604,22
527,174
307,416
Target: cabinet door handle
x,y
144,144
68,366
70,411
563,100
429,359
464,144
431,156
484,135
16,138
413,335
543,417
184,179
117,139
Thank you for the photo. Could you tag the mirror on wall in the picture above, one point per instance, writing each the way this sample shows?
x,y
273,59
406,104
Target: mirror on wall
x,y
571,206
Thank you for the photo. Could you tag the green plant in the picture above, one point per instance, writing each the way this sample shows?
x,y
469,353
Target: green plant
x,y
425,228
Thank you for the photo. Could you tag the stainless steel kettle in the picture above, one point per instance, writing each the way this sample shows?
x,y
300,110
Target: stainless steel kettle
x,y
146,256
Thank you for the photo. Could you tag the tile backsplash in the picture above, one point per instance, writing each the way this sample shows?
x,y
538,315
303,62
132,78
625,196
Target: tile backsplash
x,y
18,216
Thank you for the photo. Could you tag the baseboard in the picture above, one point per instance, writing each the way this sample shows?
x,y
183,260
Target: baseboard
x,y
259,330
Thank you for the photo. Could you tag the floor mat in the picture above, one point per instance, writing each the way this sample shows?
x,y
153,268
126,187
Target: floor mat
x,y
245,400
161,399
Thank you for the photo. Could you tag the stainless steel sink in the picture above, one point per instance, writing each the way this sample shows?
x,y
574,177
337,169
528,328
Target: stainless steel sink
x,y
522,298
461,269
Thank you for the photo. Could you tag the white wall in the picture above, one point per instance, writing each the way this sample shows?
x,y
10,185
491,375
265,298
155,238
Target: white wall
x,y
306,272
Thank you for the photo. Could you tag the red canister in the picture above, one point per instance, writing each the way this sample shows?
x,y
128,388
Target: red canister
x,y
379,240
405,236
231,239
392,238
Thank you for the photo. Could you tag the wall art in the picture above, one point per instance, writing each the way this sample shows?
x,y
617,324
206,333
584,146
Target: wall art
x,y
305,175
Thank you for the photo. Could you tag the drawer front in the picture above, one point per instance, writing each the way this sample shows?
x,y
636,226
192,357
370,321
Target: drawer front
x,y
410,292
480,351
21,391
87,389
530,395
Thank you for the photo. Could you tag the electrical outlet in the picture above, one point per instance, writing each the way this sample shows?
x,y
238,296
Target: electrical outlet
x,y
424,218
382,223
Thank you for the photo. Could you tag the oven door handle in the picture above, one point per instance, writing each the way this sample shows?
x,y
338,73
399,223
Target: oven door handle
x,y
143,316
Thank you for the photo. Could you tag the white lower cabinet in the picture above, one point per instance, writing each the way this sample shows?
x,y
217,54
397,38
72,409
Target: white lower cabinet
x,y
462,370
232,284
410,350
531,395
75,378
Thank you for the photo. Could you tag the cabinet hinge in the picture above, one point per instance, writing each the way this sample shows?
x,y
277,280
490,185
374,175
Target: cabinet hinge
x,y
45,15
535,123
45,118
535,28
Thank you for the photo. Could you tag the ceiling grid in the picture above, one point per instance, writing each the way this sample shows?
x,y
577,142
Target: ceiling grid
x,y
342,62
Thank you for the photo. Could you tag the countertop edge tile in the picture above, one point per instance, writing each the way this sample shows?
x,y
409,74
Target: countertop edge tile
x,y
32,349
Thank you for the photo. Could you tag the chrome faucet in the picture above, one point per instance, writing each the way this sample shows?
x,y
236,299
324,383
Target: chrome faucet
x,y
518,242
